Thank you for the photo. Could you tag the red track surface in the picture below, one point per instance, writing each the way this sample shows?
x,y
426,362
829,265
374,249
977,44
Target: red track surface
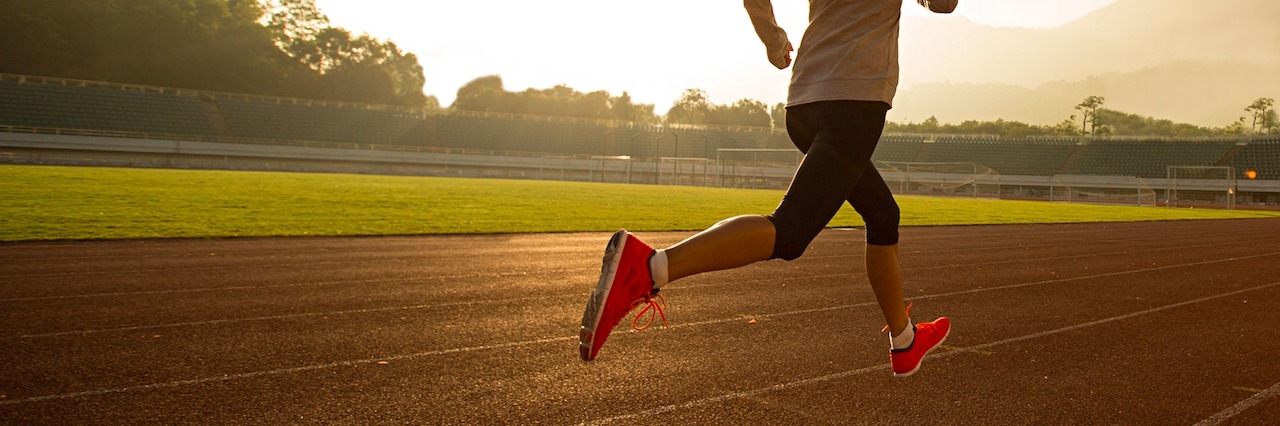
x,y
1143,323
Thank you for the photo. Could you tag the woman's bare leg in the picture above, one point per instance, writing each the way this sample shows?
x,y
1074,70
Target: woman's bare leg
x,y
732,243
886,281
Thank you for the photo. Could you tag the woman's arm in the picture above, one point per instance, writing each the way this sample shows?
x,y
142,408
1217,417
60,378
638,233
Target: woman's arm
x,y
775,39
939,6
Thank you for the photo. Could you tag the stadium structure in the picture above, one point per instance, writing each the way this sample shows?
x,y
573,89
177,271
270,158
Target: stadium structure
x,y
75,122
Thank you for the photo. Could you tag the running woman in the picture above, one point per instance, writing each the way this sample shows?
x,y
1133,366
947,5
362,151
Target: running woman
x,y
842,86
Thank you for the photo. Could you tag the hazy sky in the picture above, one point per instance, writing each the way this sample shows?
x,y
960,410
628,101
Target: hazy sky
x,y
653,49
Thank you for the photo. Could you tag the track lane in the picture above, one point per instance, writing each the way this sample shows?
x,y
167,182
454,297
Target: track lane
x,y
534,381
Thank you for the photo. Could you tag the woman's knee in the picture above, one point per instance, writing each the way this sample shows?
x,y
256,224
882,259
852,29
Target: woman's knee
x,y
790,241
882,225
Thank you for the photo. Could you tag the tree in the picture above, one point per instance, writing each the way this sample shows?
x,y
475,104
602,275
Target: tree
x,y
744,112
297,27
691,108
486,94
352,68
930,125
267,47
203,44
1235,128
694,107
779,115
1066,127
483,94
1089,113
431,104
1122,123
592,105
624,109
1263,115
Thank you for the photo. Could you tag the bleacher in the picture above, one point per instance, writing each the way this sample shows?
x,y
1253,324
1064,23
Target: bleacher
x,y
897,148
57,104
50,105
283,119
1036,157
521,134
1146,158
1262,156
686,141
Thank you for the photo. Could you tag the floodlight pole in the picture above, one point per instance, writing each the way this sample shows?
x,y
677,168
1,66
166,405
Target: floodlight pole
x,y
676,153
706,146
633,154
604,145
657,156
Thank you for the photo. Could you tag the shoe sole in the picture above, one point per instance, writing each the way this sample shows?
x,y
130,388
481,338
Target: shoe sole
x,y
926,355
595,304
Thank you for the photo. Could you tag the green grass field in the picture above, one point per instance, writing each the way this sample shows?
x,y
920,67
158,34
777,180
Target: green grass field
x,y
74,203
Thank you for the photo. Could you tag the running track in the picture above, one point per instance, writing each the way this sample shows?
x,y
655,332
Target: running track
x,y
1140,323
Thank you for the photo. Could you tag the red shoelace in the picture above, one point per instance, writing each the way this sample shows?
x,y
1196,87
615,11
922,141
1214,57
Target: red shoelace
x,y
654,308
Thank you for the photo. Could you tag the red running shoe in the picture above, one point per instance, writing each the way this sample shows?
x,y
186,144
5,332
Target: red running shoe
x,y
929,335
624,284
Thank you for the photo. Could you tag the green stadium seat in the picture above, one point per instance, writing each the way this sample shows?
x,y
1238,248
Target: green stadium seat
x,y
1146,158
35,104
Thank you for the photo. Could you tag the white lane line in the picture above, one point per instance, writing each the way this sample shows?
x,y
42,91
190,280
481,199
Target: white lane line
x,y
1078,256
718,321
1026,246
886,366
300,265
199,290
580,270
283,316
976,349
230,253
248,375
1094,243
316,284
573,249
1241,406
144,271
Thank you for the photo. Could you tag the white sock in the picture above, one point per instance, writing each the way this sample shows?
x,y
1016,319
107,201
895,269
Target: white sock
x,y
658,268
903,341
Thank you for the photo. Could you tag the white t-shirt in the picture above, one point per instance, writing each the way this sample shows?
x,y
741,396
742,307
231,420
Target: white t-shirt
x,y
848,52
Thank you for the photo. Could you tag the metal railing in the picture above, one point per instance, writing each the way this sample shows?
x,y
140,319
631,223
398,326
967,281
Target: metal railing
x,y
283,142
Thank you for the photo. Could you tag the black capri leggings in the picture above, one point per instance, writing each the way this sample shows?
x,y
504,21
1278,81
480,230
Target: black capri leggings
x,y
838,138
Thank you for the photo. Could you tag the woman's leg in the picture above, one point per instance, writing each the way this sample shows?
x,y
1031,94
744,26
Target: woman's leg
x,y
732,243
874,202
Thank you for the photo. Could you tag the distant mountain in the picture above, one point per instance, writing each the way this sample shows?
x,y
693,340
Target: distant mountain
x,y
1186,29
1177,91
1186,60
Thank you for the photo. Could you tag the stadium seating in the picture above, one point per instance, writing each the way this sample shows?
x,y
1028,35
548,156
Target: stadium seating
x,y
1016,157
1146,158
1262,156
897,148
265,118
522,134
106,108
47,103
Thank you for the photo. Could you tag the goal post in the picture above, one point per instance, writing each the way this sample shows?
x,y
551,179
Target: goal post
x,y
610,168
951,179
1111,190
684,170
1201,186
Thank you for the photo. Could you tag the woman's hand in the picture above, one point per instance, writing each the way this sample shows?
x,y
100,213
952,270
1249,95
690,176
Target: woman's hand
x,y
782,59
